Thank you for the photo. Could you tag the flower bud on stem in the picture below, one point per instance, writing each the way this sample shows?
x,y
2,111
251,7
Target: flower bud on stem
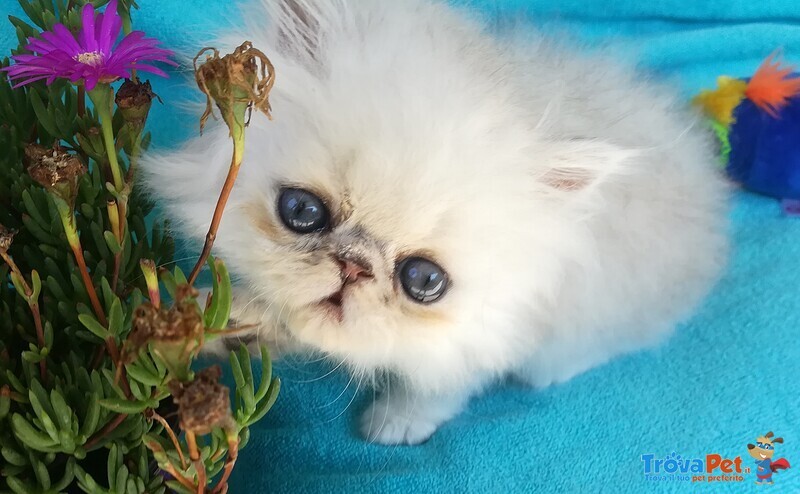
x,y
59,172
148,268
237,83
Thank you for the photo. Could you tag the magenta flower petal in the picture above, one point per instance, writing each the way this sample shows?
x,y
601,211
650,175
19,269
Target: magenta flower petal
x,y
134,40
56,41
41,46
29,80
89,82
94,56
109,27
66,38
150,68
87,34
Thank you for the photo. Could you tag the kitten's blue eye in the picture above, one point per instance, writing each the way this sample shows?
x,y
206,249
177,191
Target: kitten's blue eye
x,y
301,211
422,280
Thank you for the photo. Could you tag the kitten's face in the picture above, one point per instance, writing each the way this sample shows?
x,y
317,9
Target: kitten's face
x,y
389,253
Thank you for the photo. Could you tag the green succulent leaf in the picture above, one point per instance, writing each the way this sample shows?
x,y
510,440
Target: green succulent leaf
x,y
219,310
266,374
128,407
92,324
116,317
18,486
30,436
92,417
264,406
112,242
12,456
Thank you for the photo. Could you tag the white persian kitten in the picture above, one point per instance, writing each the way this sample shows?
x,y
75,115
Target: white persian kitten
x,y
448,207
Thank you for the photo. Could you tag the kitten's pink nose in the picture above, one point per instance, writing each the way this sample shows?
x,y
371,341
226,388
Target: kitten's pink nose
x,y
353,268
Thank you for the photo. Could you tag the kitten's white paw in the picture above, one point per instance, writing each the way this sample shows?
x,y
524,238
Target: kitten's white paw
x,y
403,416
386,422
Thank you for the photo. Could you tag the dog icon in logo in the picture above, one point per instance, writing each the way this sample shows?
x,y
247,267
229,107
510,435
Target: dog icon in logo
x,y
763,451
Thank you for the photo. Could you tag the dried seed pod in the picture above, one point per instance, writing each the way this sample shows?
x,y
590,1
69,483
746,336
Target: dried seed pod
x,y
55,169
134,100
203,403
6,238
175,334
235,82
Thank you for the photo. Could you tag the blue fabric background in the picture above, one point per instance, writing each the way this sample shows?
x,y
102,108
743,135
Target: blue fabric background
x,y
726,377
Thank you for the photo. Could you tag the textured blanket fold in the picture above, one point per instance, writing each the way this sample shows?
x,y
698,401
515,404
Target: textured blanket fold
x,y
728,376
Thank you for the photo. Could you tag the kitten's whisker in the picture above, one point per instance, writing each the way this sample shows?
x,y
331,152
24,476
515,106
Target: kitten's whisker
x,y
397,445
386,409
545,114
358,388
320,359
287,358
322,377
340,394
248,305
371,420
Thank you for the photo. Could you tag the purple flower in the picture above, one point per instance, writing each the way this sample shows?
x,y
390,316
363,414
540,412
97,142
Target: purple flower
x,y
90,56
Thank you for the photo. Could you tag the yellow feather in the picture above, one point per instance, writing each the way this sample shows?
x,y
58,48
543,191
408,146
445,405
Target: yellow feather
x,y
719,103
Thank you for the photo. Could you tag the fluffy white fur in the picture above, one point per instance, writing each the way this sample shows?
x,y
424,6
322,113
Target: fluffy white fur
x,y
574,205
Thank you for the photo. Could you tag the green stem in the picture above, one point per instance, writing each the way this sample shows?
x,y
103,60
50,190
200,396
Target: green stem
x,y
68,221
237,134
233,453
103,96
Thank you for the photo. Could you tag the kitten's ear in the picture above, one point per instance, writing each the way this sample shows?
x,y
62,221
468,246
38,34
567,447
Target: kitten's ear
x,y
582,164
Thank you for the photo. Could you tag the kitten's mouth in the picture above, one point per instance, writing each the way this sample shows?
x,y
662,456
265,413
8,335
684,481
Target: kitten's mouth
x,y
333,305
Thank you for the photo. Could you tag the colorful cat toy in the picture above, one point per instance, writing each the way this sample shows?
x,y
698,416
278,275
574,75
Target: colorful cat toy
x,y
758,124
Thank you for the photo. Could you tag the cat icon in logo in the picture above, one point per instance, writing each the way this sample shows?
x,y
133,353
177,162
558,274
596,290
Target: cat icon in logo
x,y
763,451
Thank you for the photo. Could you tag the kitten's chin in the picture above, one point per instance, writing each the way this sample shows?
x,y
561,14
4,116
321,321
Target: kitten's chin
x,y
333,325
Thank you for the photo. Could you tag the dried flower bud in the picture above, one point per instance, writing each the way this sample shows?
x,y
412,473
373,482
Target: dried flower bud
x,y
235,82
175,334
55,169
6,238
203,403
176,324
184,291
34,153
134,100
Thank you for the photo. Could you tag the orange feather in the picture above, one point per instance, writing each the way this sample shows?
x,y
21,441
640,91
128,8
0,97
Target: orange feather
x,y
772,86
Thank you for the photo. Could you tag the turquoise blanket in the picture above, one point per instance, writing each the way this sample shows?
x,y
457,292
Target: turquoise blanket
x,y
727,376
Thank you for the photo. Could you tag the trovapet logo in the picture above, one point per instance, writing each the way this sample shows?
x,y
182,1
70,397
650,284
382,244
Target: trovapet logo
x,y
710,468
